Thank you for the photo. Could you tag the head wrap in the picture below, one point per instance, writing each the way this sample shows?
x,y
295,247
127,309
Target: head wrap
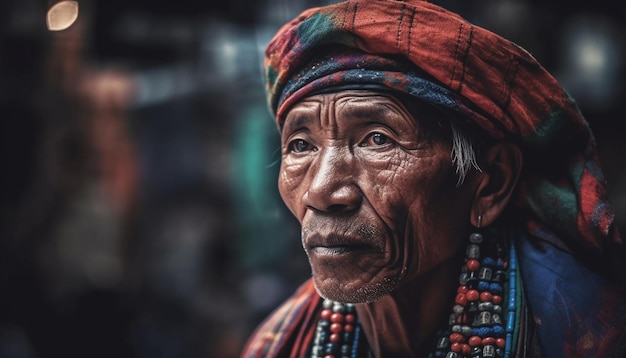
x,y
435,55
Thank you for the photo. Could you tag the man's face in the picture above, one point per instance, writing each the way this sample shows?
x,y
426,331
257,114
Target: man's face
x,y
373,186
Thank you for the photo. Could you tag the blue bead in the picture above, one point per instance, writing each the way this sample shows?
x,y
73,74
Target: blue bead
x,y
512,278
512,300
483,285
488,261
513,259
508,345
510,322
495,287
355,343
498,331
330,347
481,332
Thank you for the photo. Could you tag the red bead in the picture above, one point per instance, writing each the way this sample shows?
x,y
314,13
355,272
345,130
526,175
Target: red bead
x,y
500,342
473,264
348,328
350,318
456,347
461,319
335,337
497,299
474,341
462,289
506,265
466,349
326,314
486,296
329,356
457,337
336,328
461,299
336,318
472,295
489,341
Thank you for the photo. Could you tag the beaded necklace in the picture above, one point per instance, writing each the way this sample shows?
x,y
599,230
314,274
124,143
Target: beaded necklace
x,y
337,333
482,322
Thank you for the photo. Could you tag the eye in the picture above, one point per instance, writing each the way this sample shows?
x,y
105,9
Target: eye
x,y
376,139
299,146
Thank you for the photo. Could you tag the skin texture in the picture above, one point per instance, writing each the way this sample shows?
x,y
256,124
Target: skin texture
x,y
373,189
370,178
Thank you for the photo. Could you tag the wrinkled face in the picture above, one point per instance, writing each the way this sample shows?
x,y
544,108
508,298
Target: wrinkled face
x,y
373,186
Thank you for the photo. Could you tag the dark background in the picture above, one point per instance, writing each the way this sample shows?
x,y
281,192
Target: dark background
x,y
139,214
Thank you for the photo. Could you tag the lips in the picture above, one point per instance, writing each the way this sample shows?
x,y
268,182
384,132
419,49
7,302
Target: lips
x,y
335,250
332,240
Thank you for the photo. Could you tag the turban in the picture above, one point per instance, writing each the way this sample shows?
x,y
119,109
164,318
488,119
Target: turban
x,y
436,56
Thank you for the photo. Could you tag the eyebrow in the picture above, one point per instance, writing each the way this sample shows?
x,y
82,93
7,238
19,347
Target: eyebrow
x,y
297,121
380,110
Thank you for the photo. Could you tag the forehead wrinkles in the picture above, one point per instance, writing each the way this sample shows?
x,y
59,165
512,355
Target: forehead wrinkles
x,y
331,112
362,106
300,114
370,107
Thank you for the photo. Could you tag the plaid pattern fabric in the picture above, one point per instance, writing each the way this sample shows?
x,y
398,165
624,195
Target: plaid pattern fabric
x,y
288,331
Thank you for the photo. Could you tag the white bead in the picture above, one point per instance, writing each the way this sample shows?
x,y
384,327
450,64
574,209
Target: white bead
x,y
476,238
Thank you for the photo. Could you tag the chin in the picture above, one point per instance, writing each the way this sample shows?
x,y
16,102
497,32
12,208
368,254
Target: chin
x,y
355,293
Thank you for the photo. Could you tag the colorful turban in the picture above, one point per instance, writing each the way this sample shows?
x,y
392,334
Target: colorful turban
x,y
436,56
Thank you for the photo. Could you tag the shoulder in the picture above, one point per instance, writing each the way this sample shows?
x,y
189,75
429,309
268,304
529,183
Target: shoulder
x,y
577,311
283,324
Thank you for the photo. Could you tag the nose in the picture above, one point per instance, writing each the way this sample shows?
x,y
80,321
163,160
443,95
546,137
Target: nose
x,y
332,186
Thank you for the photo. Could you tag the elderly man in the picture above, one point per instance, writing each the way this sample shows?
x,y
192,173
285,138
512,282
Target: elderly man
x,y
448,190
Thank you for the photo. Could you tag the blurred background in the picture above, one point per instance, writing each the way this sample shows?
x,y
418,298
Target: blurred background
x,y
139,214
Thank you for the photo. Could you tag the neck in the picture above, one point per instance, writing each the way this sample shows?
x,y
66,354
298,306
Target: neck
x,y
408,319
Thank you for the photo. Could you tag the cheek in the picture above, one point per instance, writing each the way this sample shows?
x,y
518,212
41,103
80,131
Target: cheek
x,y
400,193
290,185
424,210
438,223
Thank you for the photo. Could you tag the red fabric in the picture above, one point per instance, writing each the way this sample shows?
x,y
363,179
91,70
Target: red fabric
x,y
289,330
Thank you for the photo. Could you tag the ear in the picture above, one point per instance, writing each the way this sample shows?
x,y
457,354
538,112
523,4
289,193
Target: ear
x,y
501,165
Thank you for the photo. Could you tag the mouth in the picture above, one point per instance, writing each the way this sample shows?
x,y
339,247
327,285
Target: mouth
x,y
338,250
336,245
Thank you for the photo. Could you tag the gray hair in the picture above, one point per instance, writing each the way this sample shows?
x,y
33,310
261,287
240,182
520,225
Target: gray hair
x,y
463,153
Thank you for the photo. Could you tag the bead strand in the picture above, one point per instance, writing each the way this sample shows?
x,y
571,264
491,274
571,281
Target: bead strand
x,y
336,331
477,324
512,304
